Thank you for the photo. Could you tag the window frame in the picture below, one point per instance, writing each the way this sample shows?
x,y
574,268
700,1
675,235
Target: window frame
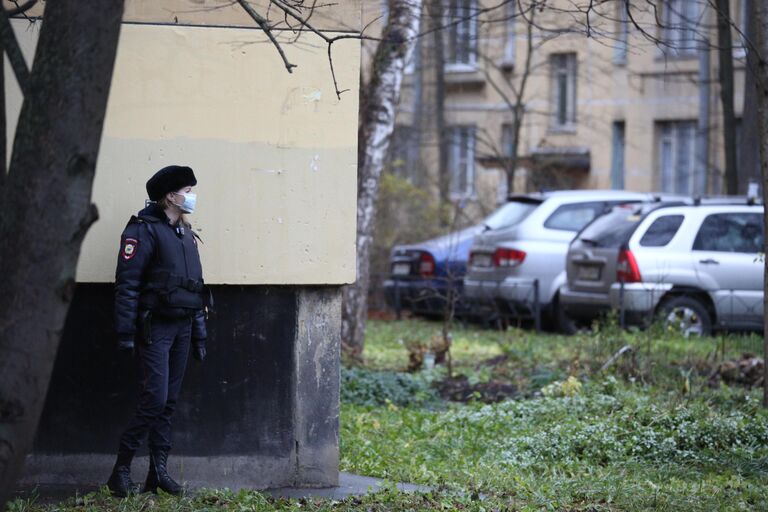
x,y
618,158
621,48
566,70
467,138
510,41
680,20
455,34
672,133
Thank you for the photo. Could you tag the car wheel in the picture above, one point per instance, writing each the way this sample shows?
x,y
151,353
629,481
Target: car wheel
x,y
686,314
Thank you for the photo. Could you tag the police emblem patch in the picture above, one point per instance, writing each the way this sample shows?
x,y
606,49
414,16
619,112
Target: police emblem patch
x,y
129,248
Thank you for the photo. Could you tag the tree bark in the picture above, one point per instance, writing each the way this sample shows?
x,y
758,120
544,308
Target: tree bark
x,y
377,113
443,173
760,19
725,51
519,107
749,147
46,210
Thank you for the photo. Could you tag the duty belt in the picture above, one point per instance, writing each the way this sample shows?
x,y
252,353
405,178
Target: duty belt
x,y
169,281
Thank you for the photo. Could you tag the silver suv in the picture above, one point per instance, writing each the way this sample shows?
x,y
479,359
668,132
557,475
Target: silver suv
x,y
697,267
516,268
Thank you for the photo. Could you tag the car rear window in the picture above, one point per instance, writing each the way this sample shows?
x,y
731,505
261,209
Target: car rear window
x,y
661,231
613,228
510,214
573,217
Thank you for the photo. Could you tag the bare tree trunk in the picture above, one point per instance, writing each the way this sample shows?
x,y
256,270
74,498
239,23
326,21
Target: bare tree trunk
x,y
519,107
377,113
760,41
443,175
725,51
749,148
46,209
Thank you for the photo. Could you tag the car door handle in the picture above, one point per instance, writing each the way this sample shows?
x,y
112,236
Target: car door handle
x,y
709,261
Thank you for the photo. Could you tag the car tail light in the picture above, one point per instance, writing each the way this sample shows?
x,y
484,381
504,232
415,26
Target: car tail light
x,y
627,270
426,264
508,257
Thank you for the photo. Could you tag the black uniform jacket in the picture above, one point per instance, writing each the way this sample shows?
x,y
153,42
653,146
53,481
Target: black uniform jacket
x,y
158,269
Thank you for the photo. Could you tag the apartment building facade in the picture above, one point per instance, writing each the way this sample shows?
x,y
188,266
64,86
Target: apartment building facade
x,y
624,96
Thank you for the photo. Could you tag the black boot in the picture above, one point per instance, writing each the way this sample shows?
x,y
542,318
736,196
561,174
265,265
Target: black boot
x,y
120,483
158,477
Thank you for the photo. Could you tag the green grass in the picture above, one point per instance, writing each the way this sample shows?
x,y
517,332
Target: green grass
x,y
385,343
649,433
611,445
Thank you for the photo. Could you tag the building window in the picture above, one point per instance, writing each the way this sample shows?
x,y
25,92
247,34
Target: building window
x,y
741,30
509,44
461,34
502,191
563,76
622,33
679,23
507,145
461,160
403,151
617,156
677,162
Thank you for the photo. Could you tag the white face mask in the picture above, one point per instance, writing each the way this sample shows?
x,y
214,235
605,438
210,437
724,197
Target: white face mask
x,y
188,205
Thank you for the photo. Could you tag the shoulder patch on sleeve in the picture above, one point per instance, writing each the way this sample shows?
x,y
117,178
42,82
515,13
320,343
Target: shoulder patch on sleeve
x,y
129,248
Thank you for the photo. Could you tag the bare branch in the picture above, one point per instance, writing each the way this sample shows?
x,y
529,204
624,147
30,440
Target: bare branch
x,y
265,26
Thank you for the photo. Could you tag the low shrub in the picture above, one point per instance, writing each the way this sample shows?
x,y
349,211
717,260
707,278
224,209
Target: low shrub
x,y
372,388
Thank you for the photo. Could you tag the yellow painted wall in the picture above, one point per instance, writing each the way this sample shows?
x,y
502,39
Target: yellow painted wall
x,y
275,153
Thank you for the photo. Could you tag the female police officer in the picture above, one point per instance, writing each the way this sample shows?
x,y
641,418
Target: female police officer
x,y
159,311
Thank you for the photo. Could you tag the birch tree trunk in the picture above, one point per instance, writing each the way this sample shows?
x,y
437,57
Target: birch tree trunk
x,y
46,210
377,120
760,71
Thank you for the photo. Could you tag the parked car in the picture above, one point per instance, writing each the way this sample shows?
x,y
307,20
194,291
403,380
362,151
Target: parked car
x,y
593,259
516,270
695,266
423,275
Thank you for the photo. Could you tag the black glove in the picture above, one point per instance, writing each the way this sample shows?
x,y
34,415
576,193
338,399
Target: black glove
x,y
125,344
198,350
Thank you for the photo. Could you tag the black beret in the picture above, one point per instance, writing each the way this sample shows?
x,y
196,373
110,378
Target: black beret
x,y
170,179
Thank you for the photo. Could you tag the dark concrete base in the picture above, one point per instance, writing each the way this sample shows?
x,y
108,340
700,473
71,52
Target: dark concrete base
x,y
261,412
86,472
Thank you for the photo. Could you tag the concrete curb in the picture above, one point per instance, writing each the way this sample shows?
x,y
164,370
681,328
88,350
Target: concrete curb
x,y
349,485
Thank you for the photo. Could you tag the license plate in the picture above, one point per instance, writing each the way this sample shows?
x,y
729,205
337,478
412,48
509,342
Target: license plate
x,y
481,260
401,269
589,273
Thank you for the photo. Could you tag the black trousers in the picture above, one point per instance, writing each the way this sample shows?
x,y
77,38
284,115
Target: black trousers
x,y
162,367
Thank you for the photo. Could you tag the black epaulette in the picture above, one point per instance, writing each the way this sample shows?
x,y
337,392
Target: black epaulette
x,y
147,218
134,220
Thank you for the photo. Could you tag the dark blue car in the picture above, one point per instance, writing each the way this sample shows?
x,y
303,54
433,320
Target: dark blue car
x,y
425,276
